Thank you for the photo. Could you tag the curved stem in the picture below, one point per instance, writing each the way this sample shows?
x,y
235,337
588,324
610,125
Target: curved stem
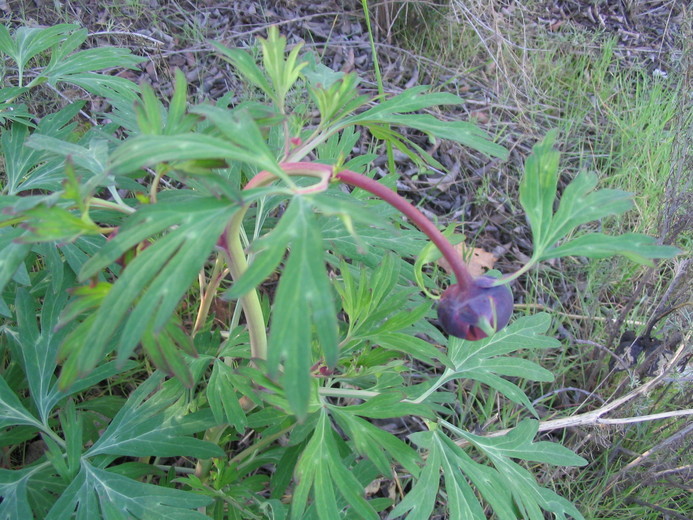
x,y
321,171
238,262
464,279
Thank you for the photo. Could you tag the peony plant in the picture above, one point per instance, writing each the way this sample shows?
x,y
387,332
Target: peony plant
x,y
200,323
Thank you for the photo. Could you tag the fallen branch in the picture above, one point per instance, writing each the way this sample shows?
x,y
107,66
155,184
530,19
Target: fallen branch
x,y
595,417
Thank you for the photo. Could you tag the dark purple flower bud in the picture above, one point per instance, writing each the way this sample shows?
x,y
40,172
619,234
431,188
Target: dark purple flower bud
x,y
471,312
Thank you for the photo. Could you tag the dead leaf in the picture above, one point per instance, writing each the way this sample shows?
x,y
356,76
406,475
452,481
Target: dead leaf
x,y
477,260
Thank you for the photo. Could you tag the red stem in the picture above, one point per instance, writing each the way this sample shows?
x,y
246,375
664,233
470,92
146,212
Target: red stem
x,y
326,173
464,279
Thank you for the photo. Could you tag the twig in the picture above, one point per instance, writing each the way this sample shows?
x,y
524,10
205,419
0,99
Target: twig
x,y
569,389
86,116
543,307
668,513
126,33
595,417
642,458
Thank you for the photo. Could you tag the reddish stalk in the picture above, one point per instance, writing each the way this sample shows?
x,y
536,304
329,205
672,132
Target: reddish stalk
x,y
326,172
464,279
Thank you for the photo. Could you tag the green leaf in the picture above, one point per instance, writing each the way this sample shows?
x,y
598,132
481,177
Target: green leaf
x,y
92,158
481,361
119,497
119,91
303,301
27,168
13,490
529,497
15,112
419,502
12,255
151,286
636,247
12,411
388,405
321,469
245,64
378,445
27,42
50,224
39,347
538,186
223,397
240,128
317,74
417,98
151,427
165,348
90,60
490,484
415,347
268,252
411,100
461,132
148,150
579,205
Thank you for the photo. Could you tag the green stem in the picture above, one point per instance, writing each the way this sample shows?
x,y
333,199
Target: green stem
x,y
107,204
207,294
235,257
503,280
248,452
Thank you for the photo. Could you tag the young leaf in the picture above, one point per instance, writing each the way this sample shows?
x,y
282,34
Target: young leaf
x,y
538,186
282,72
303,301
